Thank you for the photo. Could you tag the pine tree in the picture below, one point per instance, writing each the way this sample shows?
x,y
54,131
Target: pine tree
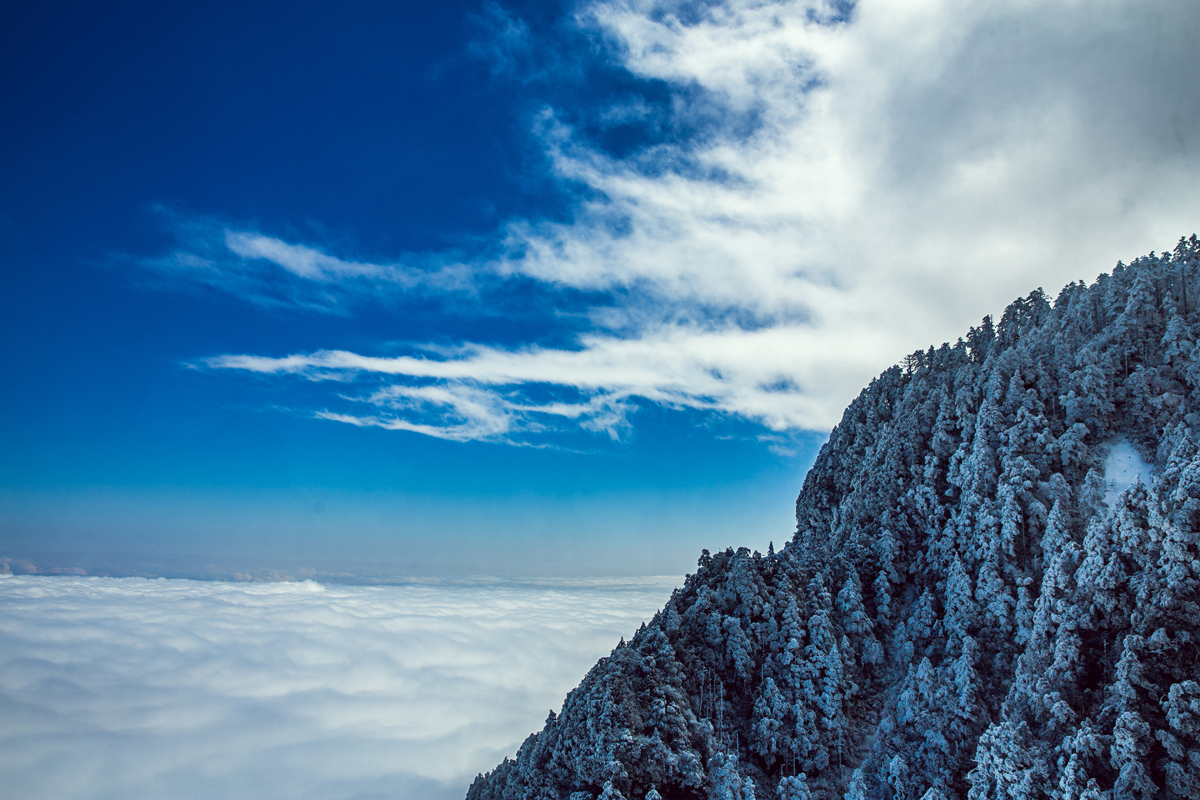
x,y
1002,627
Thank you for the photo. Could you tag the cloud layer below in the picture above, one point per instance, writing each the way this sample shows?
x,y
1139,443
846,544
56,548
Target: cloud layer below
x,y
860,189
131,688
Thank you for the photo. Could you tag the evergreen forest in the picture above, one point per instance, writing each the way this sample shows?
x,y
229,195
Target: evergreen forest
x,y
973,605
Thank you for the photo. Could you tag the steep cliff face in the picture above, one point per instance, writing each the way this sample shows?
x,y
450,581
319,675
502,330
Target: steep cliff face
x,y
978,601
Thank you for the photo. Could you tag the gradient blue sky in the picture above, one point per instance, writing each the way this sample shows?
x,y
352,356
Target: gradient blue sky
x,y
527,288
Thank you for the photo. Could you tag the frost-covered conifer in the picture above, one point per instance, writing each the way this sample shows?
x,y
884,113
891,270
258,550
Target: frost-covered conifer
x,y
965,609
794,787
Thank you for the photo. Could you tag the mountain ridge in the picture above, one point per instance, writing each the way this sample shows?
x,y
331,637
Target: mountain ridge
x,y
965,609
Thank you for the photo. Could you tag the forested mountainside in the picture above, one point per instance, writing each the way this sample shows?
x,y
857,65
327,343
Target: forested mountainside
x,y
967,609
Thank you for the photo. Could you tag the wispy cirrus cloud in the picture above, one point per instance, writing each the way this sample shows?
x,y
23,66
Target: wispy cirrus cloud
x,y
268,271
484,392
865,184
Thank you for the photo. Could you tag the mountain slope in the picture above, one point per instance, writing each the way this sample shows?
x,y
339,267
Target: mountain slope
x,y
970,606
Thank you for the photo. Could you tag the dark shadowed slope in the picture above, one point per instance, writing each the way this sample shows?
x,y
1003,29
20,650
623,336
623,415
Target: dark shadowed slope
x,y
970,606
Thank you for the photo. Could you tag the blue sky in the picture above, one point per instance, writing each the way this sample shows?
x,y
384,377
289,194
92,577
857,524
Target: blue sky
x,y
538,288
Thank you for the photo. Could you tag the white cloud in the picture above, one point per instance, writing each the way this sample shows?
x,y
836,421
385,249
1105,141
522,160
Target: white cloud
x,y
1124,467
138,688
268,271
306,262
761,373
905,174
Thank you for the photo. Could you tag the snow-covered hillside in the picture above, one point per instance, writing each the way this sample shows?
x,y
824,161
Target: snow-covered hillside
x,y
970,607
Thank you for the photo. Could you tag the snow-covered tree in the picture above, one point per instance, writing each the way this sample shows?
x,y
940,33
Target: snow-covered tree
x,y
965,609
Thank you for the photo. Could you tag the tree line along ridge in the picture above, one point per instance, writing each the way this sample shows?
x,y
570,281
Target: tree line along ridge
x,y
968,608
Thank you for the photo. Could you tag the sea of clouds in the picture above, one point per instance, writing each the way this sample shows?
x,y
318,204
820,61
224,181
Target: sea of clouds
x,y
138,688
